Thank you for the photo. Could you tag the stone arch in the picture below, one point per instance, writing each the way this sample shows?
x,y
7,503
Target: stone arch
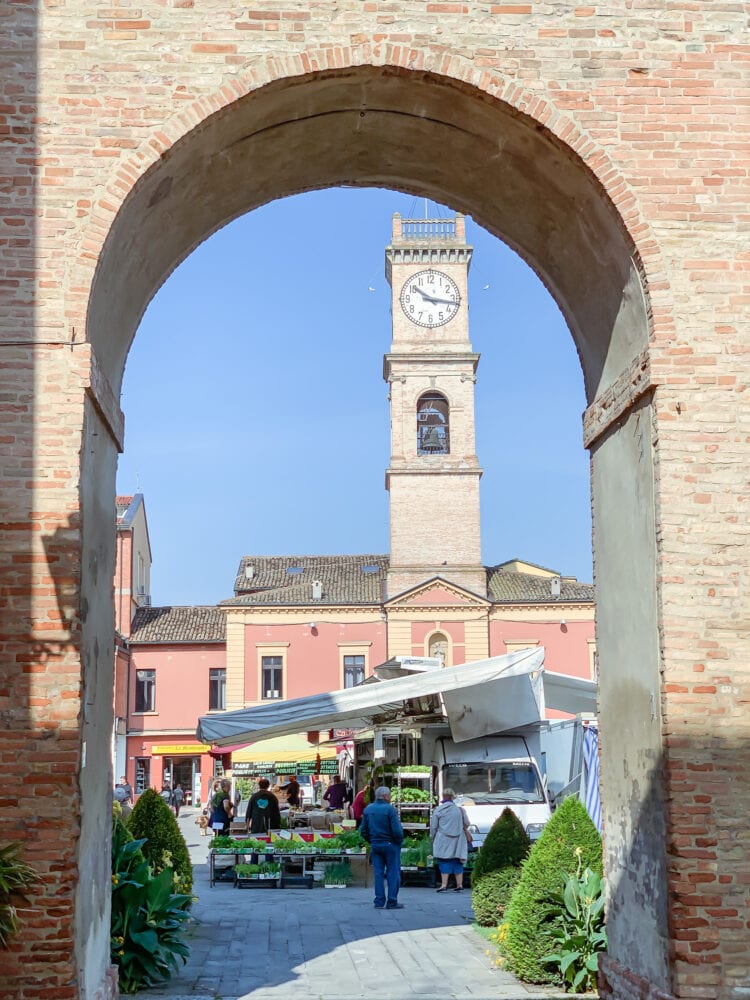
x,y
376,116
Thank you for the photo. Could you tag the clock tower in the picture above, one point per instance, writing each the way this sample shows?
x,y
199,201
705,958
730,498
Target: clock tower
x,y
433,476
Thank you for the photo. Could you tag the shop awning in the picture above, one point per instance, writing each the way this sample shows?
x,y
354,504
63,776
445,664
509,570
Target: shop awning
x,y
488,696
283,750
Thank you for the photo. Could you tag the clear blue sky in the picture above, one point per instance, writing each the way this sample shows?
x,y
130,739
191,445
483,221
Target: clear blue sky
x,y
257,417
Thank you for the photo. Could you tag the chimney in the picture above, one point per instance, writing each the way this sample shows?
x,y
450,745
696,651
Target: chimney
x,y
249,573
554,586
317,590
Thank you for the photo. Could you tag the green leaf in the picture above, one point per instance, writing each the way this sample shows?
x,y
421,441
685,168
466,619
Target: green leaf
x,y
568,959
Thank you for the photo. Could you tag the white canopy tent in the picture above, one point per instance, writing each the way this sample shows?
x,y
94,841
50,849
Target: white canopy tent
x,y
487,696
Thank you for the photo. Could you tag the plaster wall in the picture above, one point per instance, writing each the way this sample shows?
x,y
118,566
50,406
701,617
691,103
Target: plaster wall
x,y
312,657
631,755
182,684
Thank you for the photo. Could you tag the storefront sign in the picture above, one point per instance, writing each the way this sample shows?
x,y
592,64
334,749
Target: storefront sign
x,y
247,768
252,768
310,767
176,749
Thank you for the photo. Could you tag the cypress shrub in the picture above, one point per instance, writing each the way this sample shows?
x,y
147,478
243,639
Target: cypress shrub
x,y
528,915
490,895
506,845
164,847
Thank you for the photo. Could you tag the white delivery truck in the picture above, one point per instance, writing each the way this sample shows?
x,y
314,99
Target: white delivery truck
x,y
491,774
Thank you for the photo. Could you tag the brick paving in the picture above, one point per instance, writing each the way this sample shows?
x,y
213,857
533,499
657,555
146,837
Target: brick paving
x,y
332,945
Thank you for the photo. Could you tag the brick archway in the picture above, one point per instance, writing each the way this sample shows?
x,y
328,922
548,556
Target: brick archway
x,y
364,124
453,123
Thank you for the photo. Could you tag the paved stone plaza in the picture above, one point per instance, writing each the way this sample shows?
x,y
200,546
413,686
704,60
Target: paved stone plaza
x,y
332,945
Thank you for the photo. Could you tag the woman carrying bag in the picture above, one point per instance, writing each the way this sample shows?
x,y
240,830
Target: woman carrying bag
x,y
449,831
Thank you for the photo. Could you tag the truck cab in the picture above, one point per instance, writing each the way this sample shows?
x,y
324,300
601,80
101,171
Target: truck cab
x,y
490,775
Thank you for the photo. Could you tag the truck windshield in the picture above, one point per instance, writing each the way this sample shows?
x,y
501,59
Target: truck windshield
x,y
511,781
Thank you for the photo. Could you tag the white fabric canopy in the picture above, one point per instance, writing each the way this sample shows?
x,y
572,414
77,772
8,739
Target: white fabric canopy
x,y
487,696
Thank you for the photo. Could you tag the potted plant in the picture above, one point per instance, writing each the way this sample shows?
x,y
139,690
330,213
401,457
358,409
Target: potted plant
x,y
337,876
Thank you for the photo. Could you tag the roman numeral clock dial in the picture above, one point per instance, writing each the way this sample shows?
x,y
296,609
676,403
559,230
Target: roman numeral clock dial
x,y
430,298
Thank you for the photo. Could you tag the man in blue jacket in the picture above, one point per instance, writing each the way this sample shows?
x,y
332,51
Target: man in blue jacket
x,y
382,829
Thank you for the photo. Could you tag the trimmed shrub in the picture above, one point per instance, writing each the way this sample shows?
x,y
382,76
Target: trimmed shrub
x,y
506,845
153,821
490,895
568,839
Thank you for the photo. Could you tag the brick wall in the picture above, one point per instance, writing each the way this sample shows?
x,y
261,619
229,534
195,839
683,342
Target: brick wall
x,y
645,101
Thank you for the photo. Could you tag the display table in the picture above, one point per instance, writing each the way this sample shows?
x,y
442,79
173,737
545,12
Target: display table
x,y
296,868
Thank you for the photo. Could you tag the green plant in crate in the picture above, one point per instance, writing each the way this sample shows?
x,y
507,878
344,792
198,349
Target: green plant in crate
x,y
578,915
15,878
338,874
147,928
164,846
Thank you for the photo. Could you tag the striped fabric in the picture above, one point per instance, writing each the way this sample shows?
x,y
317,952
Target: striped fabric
x,y
593,799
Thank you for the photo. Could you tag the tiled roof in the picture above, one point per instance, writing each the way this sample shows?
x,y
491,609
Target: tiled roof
x,y
344,582
184,624
358,579
507,587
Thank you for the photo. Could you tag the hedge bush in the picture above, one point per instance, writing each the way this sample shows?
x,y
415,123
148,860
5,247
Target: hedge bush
x,y
506,845
568,836
153,821
490,894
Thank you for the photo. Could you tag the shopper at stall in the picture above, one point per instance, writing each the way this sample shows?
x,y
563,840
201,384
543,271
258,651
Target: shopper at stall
x,y
382,829
336,794
222,809
449,830
358,806
292,790
263,813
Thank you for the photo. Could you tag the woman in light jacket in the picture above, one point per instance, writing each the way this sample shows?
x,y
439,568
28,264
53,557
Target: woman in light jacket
x,y
449,830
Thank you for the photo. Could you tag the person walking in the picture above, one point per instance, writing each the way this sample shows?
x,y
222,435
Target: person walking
x,y
178,797
127,790
449,831
167,795
382,829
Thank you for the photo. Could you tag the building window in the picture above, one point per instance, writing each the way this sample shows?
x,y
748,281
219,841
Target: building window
x,y
217,689
271,676
142,774
145,690
354,670
433,430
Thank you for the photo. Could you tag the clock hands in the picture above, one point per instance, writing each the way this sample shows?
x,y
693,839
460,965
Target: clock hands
x,y
431,298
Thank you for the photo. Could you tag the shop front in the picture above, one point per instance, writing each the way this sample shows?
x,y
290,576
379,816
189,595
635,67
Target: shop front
x,y
188,764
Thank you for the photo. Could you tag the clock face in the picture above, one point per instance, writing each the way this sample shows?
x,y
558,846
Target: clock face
x,y
430,298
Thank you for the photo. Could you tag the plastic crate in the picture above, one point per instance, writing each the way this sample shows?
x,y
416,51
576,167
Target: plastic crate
x,y
246,882
297,881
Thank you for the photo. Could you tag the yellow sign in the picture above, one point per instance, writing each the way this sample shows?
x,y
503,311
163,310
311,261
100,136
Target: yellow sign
x,y
174,749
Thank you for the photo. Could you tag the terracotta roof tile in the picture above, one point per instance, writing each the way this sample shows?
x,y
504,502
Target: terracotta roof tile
x,y
288,580
506,586
179,624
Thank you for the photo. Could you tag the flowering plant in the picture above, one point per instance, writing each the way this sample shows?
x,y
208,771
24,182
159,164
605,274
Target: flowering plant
x,y
578,916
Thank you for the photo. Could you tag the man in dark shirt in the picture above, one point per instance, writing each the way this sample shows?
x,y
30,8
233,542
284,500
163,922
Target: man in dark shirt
x,y
263,809
292,789
382,829
336,794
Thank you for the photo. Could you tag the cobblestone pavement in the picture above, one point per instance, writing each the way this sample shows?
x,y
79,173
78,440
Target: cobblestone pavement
x,y
331,945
